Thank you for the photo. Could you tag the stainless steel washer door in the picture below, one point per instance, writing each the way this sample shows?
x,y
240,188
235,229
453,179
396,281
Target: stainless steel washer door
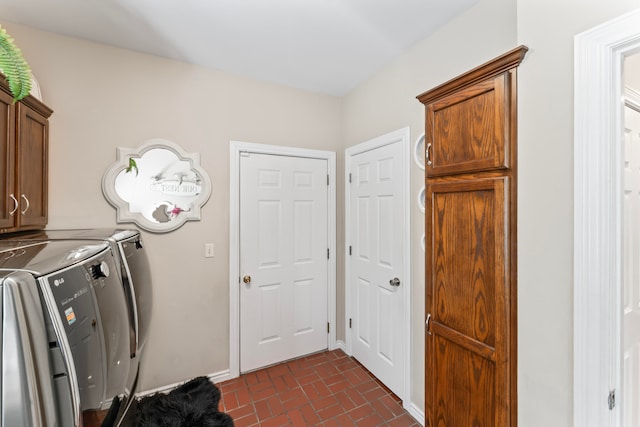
x,y
92,310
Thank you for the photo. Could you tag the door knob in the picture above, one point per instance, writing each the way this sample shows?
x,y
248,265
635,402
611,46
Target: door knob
x,y
246,279
394,282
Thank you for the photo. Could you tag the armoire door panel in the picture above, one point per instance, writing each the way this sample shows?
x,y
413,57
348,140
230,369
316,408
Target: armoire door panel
x,y
482,143
467,288
468,270
462,397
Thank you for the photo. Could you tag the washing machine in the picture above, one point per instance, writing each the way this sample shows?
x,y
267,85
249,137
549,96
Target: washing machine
x,y
65,333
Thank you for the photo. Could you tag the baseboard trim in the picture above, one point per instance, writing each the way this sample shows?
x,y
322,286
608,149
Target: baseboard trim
x,y
221,376
415,412
340,345
216,377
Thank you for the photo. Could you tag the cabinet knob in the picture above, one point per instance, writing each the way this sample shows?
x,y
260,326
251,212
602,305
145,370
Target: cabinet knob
x,y
15,204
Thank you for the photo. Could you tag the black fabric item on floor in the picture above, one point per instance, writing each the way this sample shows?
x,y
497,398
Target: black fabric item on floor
x,y
110,419
193,404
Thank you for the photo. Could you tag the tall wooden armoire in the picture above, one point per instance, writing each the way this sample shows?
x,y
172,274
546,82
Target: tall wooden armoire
x,y
471,313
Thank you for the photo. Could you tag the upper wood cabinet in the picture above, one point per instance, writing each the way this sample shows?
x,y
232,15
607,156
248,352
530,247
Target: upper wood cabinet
x,y
24,153
482,144
470,120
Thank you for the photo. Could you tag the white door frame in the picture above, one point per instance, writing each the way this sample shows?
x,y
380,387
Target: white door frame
x,y
598,180
401,135
235,147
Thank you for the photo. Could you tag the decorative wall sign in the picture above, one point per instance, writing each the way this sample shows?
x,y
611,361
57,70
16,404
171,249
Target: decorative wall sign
x,y
418,157
157,185
418,152
422,199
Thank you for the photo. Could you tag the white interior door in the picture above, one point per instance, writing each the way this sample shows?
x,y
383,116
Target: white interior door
x,y
376,273
631,280
283,258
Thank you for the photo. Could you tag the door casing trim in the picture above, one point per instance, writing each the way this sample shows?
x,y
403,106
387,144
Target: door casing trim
x,y
402,136
598,180
235,148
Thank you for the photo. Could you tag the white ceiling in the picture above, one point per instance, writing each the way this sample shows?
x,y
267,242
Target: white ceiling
x,y
328,46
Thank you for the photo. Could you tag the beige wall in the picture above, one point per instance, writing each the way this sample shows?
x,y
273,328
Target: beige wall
x,y
104,98
632,72
388,101
545,203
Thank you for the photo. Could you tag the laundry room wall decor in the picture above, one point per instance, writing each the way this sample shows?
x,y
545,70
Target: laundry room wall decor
x,y
157,185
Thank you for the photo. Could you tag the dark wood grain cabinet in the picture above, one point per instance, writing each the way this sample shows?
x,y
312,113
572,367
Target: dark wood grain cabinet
x,y
482,143
7,158
470,231
24,149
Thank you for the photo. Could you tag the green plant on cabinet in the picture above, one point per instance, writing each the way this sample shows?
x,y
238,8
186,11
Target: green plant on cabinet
x,y
14,67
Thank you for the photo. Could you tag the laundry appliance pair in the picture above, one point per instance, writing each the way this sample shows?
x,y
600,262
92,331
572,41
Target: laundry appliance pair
x,y
76,309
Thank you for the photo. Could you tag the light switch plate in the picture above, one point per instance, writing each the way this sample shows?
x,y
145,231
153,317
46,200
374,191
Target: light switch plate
x,y
209,250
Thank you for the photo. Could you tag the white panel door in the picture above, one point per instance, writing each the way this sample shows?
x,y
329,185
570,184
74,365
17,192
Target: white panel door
x,y
283,258
631,280
376,240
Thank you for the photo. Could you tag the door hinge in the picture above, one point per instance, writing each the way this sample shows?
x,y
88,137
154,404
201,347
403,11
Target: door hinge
x,y
349,177
327,180
350,323
612,399
328,327
328,253
350,249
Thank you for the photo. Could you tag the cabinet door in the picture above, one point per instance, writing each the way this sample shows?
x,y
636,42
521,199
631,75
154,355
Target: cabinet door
x,y
8,203
32,154
468,131
468,302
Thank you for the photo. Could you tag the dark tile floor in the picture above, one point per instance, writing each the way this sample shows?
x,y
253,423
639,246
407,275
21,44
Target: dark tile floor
x,y
324,389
